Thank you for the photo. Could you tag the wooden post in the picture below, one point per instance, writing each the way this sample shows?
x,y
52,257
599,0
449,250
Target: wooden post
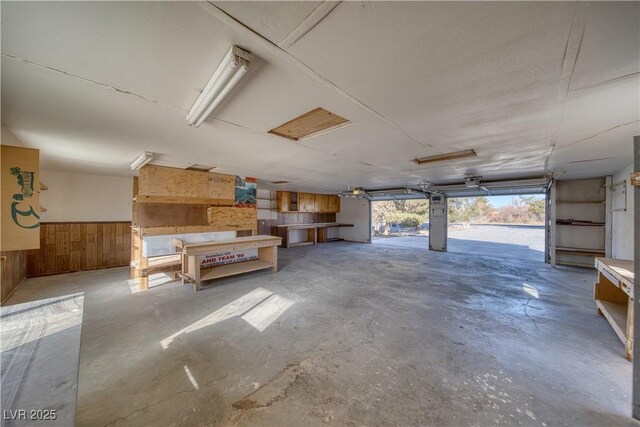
x,y
274,258
144,264
312,236
322,235
194,262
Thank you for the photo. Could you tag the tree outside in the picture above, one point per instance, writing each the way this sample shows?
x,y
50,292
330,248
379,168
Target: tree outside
x,y
479,210
410,217
399,217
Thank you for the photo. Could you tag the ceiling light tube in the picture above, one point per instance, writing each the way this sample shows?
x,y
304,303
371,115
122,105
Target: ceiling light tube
x,y
142,160
232,68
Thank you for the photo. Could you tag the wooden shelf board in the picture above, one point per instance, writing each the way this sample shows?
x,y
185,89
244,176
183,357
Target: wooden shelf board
x,y
616,314
157,262
182,229
580,225
232,269
576,202
184,200
580,251
573,249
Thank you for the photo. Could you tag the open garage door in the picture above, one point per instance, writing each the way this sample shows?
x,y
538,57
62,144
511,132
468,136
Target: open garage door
x,y
497,188
495,218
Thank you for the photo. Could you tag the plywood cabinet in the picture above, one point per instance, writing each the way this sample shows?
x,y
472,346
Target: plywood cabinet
x,y
287,201
321,203
333,204
283,201
306,202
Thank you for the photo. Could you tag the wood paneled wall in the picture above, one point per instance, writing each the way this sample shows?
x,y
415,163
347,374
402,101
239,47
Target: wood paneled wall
x,y
76,246
14,270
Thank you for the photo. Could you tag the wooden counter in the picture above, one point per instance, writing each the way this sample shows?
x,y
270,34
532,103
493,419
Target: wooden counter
x,y
317,232
613,293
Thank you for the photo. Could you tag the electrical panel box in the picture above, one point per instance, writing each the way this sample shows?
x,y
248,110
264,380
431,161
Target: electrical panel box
x,y
437,222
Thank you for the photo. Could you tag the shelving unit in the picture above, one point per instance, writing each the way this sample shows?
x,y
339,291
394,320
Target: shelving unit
x,y
174,202
580,221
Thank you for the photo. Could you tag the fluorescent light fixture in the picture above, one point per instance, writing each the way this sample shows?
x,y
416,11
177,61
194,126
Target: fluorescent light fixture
x,y
447,156
142,160
234,65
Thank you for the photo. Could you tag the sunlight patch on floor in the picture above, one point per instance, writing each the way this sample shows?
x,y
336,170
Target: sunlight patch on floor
x,y
262,316
530,290
235,308
27,322
154,280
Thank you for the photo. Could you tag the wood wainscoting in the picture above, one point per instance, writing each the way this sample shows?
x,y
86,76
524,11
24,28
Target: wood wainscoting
x,y
14,269
76,246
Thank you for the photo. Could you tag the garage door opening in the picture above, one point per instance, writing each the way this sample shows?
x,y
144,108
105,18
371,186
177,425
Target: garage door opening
x,y
400,223
500,226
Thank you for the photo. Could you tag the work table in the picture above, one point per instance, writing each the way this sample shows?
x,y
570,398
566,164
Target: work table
x,y
316,225
317,232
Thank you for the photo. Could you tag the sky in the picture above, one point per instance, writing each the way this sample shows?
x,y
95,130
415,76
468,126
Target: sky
x,y
500,201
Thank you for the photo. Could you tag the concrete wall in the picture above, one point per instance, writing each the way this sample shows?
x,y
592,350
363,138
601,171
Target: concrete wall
x,y
622,221
73,197
358,213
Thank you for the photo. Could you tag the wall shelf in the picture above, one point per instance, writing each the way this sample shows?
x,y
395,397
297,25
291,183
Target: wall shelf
x,y
577,202
587,200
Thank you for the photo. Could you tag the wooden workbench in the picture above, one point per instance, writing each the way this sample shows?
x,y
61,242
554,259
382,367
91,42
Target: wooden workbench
x,y
192,255
613,293
316,232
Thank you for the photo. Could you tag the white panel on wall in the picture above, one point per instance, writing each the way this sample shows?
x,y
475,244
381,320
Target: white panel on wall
x,y
267,204
622,220
85,197
356,212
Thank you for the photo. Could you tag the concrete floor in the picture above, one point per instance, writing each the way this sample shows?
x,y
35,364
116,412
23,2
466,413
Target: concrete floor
x,y
366,335
511,241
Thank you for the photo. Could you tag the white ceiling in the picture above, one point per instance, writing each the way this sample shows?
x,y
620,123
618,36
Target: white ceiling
x,y
534,88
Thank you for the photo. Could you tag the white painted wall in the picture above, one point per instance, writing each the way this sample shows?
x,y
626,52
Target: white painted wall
x,y
85,197
622,221
8,138
356,212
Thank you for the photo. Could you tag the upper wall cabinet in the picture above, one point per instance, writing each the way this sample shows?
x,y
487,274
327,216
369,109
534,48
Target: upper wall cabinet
x,y
307,202
333,204
321,203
